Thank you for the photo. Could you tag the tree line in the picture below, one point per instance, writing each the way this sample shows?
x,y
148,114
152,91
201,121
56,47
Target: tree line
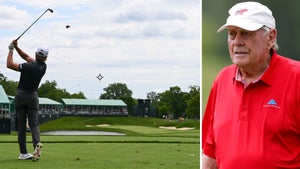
x,y
172,102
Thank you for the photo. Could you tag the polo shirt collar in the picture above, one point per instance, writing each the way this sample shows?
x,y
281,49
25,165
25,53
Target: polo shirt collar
x,y
270,72
267,75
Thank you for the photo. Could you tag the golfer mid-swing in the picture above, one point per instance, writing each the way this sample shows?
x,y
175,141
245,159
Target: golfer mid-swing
x,y
26,98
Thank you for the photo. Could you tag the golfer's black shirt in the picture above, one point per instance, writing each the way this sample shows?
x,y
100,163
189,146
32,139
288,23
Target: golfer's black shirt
x,y
31,75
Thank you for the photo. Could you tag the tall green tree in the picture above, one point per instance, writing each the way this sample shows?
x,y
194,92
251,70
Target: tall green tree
x,y
78,95
174,101
115,91
2,76
153,96
161,108
119,91
50,90
193,102
9,86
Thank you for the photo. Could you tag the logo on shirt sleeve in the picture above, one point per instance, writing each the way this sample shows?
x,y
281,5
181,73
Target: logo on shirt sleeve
x,y
272,103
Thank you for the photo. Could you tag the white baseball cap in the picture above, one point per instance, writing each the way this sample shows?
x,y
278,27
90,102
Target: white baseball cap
x,y
250,16
42,52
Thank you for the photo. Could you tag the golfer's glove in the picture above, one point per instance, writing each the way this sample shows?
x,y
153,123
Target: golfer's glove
x,y
11,47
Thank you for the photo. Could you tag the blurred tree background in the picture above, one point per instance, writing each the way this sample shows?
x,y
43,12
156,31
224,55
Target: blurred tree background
x,y
173,102
214,45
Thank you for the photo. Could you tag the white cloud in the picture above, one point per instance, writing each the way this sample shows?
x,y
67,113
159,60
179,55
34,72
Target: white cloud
x,y
9,15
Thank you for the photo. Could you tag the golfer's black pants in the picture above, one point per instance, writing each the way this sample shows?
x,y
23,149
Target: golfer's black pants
x,y
26,107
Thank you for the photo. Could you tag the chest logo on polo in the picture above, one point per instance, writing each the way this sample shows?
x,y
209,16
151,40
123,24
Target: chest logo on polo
x,y
272,103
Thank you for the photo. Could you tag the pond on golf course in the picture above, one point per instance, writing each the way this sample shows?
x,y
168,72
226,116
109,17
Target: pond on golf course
x,y
82,133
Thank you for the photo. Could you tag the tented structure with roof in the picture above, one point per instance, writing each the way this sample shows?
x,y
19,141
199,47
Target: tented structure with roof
x,y
48,106
5,116
4,104
95,107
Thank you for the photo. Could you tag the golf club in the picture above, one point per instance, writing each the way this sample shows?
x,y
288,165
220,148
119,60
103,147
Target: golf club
x,y
34,22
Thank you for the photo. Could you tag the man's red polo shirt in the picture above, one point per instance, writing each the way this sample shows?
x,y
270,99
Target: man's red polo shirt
x,y
257,127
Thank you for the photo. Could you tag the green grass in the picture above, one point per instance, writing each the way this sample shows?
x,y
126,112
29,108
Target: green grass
x,y
105,139
128,125
106,156
144,147
75,122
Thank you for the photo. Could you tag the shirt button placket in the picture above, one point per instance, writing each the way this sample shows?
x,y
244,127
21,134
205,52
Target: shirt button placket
x,y
243,116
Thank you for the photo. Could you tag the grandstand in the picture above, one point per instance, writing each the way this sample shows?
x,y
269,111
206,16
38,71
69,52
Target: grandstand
x,y
100,107
48,106
69,106
95,107
50,109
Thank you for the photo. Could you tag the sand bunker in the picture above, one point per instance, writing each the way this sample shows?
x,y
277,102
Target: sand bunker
x,y
174,128
102,125
98,125
161,127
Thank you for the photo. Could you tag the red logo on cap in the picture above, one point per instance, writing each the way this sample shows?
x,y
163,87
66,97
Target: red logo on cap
x,y
241,12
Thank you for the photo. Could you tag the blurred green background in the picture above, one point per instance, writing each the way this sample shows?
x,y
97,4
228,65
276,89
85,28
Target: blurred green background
x,y
214,45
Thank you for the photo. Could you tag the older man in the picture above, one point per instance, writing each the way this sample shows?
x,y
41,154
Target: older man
x,y
252,118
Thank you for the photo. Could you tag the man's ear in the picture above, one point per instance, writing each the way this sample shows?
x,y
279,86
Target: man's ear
x,y
272,38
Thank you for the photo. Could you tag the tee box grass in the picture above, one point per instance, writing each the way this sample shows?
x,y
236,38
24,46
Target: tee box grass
x,y
144,146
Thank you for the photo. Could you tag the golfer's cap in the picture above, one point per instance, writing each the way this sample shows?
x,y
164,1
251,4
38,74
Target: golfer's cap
x,y
250,16
42,52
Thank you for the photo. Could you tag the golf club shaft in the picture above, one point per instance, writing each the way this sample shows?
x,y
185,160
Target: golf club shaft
x,y
34,23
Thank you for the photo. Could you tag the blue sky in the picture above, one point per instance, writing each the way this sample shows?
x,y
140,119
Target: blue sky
x,y
149,45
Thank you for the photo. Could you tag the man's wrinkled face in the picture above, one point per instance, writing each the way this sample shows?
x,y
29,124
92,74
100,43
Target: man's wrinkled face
x,y
247,48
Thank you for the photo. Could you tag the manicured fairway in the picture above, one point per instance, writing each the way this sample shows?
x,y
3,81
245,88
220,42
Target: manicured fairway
x,y
106,156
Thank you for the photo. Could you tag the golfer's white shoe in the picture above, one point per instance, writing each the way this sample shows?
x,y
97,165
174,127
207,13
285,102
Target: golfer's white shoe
x,y
25,156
